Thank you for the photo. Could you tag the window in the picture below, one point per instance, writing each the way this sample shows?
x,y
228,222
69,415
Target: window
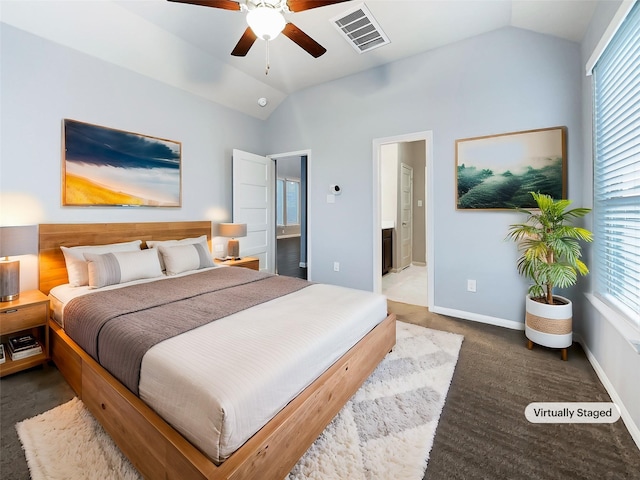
x,y
616,78
287,202
293,202
280,201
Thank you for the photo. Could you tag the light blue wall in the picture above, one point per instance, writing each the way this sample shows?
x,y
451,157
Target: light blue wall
x,y
43,82
504,81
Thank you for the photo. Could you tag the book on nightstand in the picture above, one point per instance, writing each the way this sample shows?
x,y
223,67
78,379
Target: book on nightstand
x,y
25,353
2,357
22,342
24,346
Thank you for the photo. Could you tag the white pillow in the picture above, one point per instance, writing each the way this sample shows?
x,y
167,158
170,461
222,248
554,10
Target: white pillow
x,y
77,265
184,241
182,258
120,267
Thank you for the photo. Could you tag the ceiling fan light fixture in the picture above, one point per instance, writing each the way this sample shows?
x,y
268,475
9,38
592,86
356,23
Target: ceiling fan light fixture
x,y
266,22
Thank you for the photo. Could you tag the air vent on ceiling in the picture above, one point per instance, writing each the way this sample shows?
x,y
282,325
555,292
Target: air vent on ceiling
x,y
360,29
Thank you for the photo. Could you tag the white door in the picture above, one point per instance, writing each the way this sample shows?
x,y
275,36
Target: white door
x,y
406,215
253,204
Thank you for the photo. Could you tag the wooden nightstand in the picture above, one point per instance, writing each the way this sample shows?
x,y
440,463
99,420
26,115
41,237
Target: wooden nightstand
x,y
28,314
246,262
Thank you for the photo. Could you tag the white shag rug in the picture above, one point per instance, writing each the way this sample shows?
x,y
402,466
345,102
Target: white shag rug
x,y
385,431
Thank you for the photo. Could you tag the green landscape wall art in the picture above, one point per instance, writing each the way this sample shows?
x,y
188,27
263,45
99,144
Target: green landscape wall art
x,y
499,171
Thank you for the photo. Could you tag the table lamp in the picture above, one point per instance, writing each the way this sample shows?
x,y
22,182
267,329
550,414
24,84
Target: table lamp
x,y
22,240
233,230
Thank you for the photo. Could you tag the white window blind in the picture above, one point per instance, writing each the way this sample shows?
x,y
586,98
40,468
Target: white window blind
x,y
616,78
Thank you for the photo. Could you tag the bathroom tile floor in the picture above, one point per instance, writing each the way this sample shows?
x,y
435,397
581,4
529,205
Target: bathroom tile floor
x,y
407,286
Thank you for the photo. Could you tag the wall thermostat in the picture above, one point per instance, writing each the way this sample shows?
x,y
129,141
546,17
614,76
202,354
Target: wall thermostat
x,y
335,189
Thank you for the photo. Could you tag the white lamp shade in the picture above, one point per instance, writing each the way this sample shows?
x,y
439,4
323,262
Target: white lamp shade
x,y
266,22
232,230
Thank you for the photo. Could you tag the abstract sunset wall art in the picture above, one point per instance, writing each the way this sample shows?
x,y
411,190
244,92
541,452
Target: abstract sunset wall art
x,y
108,167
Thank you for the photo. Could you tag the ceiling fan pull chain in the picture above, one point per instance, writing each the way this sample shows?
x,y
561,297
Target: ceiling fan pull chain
x,y
266,71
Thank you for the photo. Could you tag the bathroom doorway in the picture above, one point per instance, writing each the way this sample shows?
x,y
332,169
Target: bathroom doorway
x,y
403,205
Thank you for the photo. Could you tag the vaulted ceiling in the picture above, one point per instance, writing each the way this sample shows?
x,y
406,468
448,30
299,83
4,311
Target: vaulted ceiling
x,y
189,46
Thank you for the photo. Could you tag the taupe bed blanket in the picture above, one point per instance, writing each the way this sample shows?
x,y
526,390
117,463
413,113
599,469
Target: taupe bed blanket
x,y
117,327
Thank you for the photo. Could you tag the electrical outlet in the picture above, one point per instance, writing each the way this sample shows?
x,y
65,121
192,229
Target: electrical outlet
x,y
471,285
218,247
336,266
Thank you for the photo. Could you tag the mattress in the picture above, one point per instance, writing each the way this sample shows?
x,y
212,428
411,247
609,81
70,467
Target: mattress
x,y
220,383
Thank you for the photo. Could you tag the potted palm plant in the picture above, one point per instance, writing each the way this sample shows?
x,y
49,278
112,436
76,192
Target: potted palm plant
x,y
550,257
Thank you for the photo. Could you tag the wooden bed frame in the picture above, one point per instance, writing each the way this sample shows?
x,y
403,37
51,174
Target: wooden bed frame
x,y
154,447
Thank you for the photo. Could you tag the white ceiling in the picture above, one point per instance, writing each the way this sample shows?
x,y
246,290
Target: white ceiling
x,y
157,37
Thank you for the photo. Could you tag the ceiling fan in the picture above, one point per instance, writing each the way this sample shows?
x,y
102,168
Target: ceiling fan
x,y
266,21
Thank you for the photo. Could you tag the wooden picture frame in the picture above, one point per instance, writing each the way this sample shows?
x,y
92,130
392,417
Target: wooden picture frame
x,y
498,172
104,166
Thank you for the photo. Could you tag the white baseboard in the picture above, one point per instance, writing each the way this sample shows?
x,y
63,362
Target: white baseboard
x,y
475,317
633,429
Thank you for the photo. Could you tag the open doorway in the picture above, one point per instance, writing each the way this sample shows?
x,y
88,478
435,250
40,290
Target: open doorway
x,y
291,215
402,237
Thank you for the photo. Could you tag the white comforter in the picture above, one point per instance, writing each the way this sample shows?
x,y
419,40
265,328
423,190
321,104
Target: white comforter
x,y
220,383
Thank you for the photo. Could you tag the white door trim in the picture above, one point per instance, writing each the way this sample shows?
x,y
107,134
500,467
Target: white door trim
x,y
299,153
427,136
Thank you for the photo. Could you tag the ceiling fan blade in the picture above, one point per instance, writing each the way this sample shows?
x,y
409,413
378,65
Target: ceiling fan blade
x,y
245,43
301,5
307,43
224,4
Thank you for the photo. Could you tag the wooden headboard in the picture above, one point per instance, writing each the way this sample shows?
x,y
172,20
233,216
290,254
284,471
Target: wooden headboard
x,y
53,270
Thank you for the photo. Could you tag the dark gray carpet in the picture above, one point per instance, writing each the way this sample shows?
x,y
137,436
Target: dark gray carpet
x,y
24,395
482,433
